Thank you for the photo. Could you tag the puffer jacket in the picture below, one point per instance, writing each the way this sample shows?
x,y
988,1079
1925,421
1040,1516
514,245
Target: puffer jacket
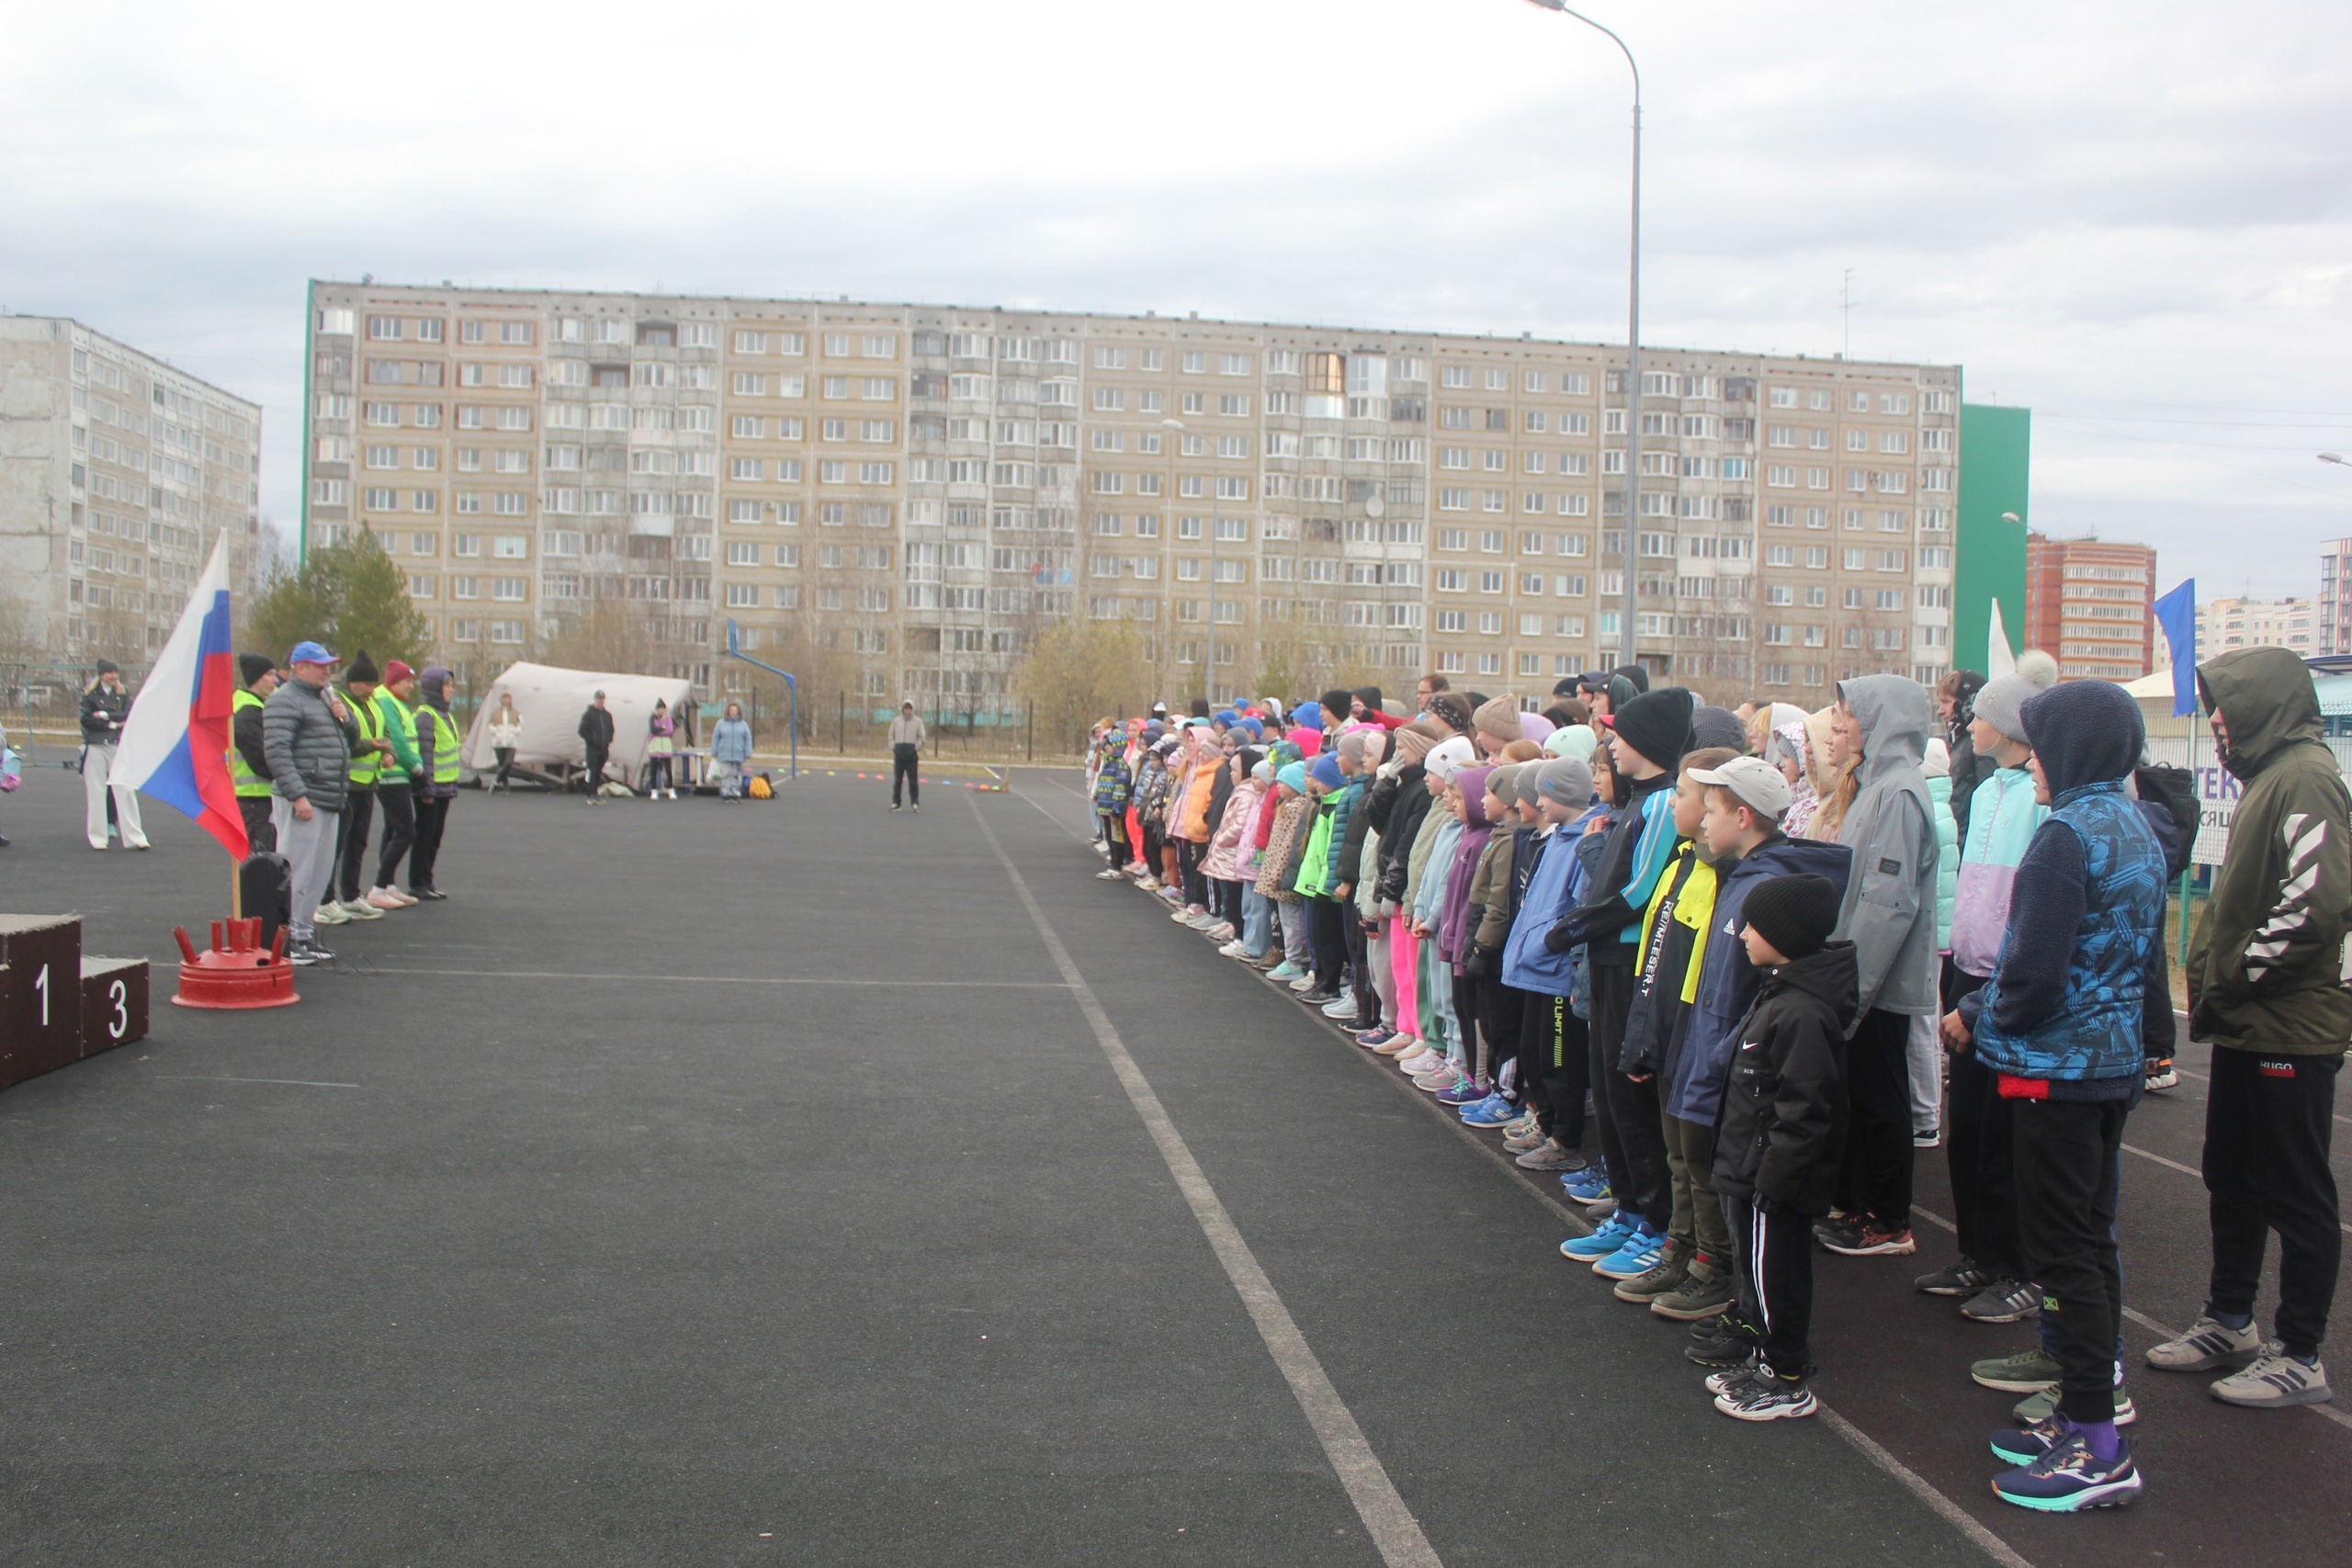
x,y
1947,858
1223,862
1527,963
730,741
1405,815
1782,1135
308,748
2265,965
2002,821
1338,862
1273,863
1314,859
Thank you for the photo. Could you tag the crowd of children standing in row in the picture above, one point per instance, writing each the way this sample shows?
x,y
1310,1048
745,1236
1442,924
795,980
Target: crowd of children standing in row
x,y
1724,972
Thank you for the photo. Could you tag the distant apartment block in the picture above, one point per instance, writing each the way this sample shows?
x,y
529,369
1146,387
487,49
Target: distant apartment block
x,y
2091,605
925,487
2333,625
2226,624
120,473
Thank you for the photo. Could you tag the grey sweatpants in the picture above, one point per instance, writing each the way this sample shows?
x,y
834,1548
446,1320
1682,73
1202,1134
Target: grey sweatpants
x,y
309,849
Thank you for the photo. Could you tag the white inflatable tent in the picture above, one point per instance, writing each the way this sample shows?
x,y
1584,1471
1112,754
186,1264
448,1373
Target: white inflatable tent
x,y
550,700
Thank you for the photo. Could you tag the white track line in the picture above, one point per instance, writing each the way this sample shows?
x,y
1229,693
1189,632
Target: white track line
x,y
1391,1525
290,1083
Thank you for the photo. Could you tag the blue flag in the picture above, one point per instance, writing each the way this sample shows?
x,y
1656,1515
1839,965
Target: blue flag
x,y
2176,614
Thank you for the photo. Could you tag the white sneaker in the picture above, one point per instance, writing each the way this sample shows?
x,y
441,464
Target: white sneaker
x,y
2274,1381
2206,1345
329,915
381,899
1106,876
359,909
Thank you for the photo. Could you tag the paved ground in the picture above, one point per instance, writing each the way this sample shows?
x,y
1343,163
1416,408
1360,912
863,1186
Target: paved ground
x,y
712,1184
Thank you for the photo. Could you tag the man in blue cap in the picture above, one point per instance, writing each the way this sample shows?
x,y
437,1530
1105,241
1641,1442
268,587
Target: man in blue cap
x,y
308,734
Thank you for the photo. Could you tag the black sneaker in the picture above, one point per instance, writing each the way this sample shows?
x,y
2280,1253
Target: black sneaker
x,y
2003,1301
1963,1277
308,952
1723,1346
1319,999
1767,1398
1838,1232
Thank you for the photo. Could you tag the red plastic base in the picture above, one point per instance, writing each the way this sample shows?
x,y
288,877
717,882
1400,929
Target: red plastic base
x,y
236,971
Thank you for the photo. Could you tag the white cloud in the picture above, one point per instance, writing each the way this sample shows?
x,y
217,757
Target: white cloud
x,y
2130,217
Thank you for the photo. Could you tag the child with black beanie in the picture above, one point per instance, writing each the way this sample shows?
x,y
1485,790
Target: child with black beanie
x,y
1782,1135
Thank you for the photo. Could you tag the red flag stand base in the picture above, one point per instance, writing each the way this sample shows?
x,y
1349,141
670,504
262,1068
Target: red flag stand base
x,y
236,971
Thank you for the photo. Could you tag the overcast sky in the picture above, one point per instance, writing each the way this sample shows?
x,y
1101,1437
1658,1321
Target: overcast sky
x,y
2130,217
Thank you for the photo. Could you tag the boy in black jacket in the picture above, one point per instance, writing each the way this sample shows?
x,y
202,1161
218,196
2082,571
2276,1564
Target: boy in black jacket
x,y
1782,1135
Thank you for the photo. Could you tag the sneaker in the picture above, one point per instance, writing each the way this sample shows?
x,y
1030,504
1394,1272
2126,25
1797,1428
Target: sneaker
x,y
1469,1091
2207,1345
1732,1377
2031,1439
308,952
1397,1044
2162,1073
1305,981
1614,1233
2274,1381
2028,1372
2003,1301
1704,1292
1662,1277
1438,1082
1316,998
1202,920
1285,970
1638,1256
2044,1406
1419,1059
1962,1277
359,909
1838,1231
1221,933
1927,1138
1547,1155
1490,1113
1872,1239
434,893
1233,950
1112,874
329,915
1343,1005
1524,1122
2069,1478
1149,883
1521,1142
384,899
1372,1039
1723,1346
1592,1185
1767,1397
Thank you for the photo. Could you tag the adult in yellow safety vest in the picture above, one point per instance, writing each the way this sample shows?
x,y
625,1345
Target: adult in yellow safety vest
x,y
396,781
368,757
440,741
248,769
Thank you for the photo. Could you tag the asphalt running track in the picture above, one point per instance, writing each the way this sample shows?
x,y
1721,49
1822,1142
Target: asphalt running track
x,y
761,1184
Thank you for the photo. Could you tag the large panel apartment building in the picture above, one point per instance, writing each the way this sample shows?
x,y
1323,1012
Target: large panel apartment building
x,y
120,473
924,486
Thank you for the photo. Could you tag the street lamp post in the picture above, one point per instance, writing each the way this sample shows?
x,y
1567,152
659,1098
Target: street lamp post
x,y
1633,344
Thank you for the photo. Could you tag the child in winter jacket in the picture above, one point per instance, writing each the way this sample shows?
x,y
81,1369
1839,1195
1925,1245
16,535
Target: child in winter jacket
x,y
1781,1138
1553,1049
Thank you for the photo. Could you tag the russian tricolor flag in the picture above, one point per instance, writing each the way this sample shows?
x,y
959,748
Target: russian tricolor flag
x,y
174,745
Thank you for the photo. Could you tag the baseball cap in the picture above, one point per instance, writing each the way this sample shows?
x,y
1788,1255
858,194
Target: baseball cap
x,y
1753,781
310,653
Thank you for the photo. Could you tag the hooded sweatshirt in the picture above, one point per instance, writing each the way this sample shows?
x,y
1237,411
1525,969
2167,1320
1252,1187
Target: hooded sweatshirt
x,y
1461,911
2264,966
1889,913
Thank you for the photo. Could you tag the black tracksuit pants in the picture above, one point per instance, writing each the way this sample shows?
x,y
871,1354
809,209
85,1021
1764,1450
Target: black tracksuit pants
x,y
1631,1137
1502,1010
2067,1156
398,804
432,821
1359,941
1556,1065
903,771
1773,1275
261,833
1978,1152
1876,1181
358,816
2268,1124
1328,942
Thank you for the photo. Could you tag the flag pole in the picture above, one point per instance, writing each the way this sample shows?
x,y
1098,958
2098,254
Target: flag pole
x,y
236,891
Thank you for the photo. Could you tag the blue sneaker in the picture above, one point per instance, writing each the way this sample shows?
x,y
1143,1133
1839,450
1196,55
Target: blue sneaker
x,y
1492,1112
2069,1478
1285,970
1589,1185
1638,1256
1469,1091
1377,1036
2024,1444
1614,1233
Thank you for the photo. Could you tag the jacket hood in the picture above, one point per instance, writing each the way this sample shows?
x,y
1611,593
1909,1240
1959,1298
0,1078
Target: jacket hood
x,y
1830,974
434,684
2087,732
2267,697
1471,782
1789,857
1893,713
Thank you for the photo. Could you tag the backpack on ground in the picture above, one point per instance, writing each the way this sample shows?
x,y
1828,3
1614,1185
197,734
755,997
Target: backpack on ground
x,y
265,886
760,788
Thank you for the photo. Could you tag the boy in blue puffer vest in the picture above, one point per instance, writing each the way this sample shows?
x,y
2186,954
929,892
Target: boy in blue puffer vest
x,y
2059,1023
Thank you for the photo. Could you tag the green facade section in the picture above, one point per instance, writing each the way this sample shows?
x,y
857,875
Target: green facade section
x,y
1996,469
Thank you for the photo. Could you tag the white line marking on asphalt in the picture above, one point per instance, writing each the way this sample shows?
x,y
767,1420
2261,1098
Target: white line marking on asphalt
x,y
2192,1170
1919,1486
1391,1525
292,1083
728,979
